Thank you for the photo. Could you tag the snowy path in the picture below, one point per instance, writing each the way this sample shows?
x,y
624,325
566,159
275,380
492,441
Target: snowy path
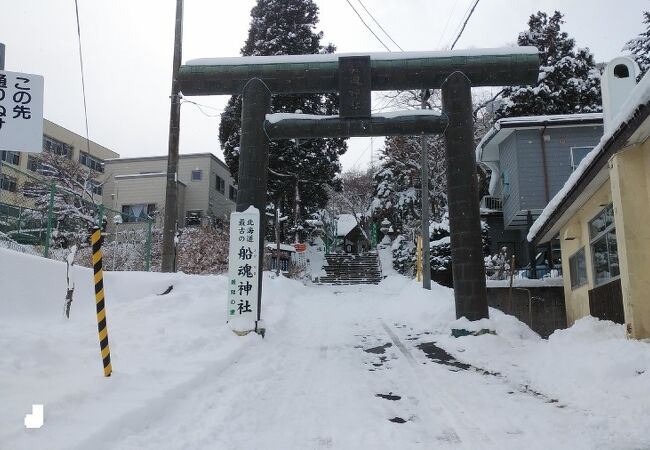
x,y
312,384
341,368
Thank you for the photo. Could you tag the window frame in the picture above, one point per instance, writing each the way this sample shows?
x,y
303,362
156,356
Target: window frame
x,y
574,276
91,162
8,183
220,184
54,142
196,221
128,217
6,155
596,238
574,166
196,171
232,193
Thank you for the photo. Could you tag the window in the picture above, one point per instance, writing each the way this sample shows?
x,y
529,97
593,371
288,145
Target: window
x,y
138,213
197,175
33,164
577,155
10,157
193,218
220,184
8,183
52,145
94,187
92,162
604,249
578,269
232,193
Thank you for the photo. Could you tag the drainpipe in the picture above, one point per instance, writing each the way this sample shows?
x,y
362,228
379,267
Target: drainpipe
x,y
547,193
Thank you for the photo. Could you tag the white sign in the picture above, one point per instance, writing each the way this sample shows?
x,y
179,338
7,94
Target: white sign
x,y
243,264
21,112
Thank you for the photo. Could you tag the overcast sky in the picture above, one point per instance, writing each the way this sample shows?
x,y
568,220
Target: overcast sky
x,y
128,44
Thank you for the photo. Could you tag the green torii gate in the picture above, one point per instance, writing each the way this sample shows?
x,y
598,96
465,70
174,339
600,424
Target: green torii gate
x,y
256,78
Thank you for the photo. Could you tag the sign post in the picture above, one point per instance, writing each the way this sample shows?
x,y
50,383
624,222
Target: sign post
x,y
244,271
21,112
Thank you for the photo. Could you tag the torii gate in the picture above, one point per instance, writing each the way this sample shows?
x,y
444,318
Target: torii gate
x,y
256,78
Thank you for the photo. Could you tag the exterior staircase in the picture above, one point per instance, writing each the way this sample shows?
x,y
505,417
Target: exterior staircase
x,y
352,269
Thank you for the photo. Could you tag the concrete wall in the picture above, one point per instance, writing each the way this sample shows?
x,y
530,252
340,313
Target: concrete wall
x,y
541,308
577,229
629,174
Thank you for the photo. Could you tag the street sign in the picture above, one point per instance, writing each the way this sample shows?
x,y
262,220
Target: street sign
x,y
21,112
243,265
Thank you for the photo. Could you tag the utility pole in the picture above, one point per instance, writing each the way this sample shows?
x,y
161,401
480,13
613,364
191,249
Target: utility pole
x,y
2,67
296,211
426,259
277,238
171,192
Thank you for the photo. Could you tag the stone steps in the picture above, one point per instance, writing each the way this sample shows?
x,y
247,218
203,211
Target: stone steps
x,y
351,269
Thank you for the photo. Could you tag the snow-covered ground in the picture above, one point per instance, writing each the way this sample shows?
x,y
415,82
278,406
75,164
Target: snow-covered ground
x,y
183,380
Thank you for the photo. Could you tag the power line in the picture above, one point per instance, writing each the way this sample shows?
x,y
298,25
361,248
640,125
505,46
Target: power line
x,y
464,24
200,108
379,25
453,8
366,25
83,81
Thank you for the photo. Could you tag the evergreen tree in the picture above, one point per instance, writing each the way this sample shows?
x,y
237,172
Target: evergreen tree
x,y
639,47
287,27
568,80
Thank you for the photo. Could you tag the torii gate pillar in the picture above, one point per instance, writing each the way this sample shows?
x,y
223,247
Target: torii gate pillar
x,y
462,196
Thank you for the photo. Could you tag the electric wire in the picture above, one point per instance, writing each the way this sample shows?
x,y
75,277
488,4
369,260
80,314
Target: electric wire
x,y
366,25
444,30
379,25
460,33
83,88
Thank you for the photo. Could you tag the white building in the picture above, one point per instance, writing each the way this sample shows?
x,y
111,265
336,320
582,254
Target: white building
x,y
136,187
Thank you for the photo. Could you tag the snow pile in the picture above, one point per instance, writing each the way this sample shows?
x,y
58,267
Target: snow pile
x,y
590,366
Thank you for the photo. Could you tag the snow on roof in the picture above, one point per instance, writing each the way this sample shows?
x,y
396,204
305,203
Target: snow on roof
x,y
277,117
555,120
638,97
345,223
379,56
283,247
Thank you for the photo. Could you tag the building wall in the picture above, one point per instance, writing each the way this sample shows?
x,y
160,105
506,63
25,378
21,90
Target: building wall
x,y
629,174
74,140
509,168
522,156
577,300
199,195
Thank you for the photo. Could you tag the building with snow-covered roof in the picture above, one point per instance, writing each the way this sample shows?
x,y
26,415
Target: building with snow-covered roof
x,y
350,236
530,158
602,214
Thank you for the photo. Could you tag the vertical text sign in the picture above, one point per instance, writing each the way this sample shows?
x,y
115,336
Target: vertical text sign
x,y
21,112
243,264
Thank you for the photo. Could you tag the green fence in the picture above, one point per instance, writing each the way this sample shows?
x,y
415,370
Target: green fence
x,y
48,215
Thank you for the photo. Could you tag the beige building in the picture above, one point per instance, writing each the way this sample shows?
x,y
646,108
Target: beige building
x,y
136,187
602,215
19,167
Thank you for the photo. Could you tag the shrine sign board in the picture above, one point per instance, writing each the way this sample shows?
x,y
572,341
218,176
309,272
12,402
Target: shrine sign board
x,y
21,112
243,265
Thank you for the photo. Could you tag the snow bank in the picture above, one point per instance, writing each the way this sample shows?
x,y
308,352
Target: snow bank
x,y
590,366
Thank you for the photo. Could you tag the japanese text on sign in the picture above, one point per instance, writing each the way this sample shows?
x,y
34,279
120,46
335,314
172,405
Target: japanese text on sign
x,y
21,112
243,264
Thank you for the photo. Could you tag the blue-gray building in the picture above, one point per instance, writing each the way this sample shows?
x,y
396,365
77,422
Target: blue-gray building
x,y
529,159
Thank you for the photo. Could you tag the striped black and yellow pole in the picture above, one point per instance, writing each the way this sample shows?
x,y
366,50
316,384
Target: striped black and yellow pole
x,y
96,240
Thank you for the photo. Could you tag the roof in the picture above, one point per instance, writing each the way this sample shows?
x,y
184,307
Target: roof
x,y
283,247
345,223
627,129
487,148
151,158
